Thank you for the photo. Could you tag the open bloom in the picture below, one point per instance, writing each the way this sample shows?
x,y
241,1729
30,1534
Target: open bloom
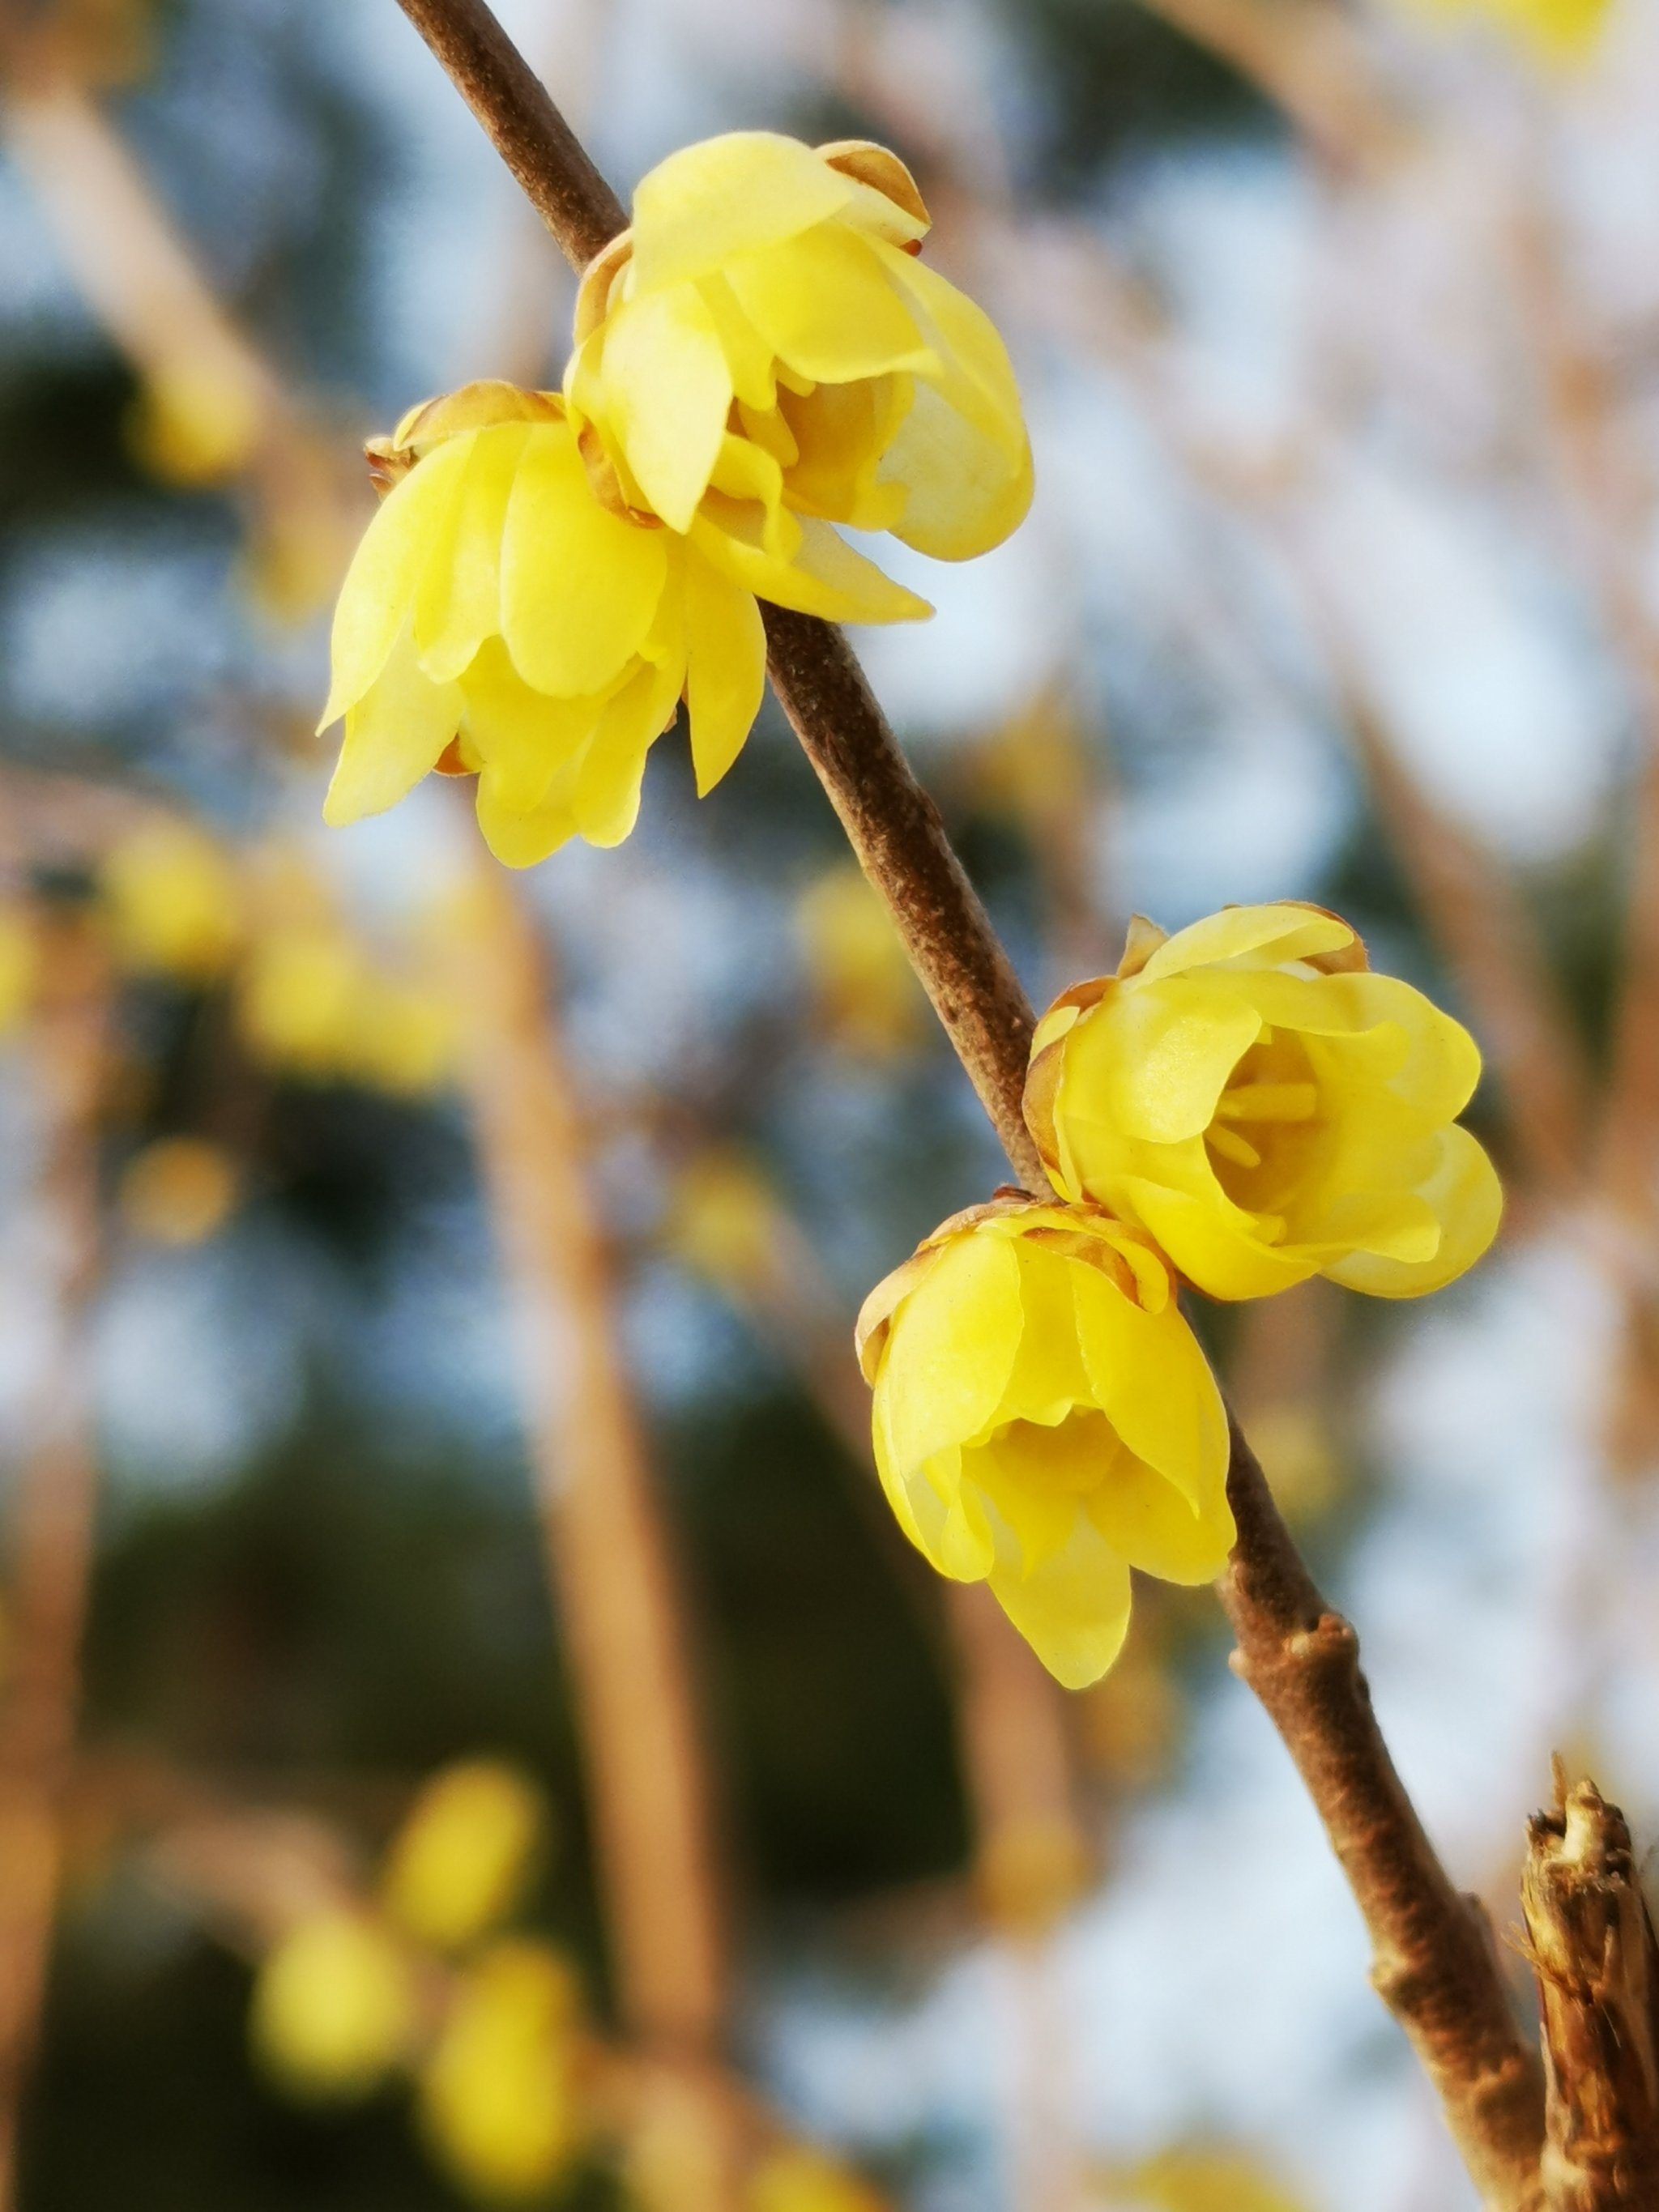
x,y
1044,1420
762,355
1251,1095
498,619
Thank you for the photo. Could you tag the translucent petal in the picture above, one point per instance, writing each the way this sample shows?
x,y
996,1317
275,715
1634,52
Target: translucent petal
x,y
964,492
1211,1243
824,577
974,377
726,668
951,1349
606,801
1466,1198
1074,1610
1273,932
458,603
825,303
728,195
393,735
522,736
378,596
519,837
1152,1061
579,586
666,392
1156,1528
1154,1384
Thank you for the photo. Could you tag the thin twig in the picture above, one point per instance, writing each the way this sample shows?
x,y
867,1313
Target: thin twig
x,y
609,1555
53,1518
1434,1966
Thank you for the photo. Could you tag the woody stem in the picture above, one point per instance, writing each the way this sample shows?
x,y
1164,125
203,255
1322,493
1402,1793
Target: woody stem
x,y
1432,1962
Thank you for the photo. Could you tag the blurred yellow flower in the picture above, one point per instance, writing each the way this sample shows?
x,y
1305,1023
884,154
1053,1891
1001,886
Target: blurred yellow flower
x,y
1202,2181
20,964
496,2095
1557,33
723,1221
191,424
300,992
497,614
1259,1102
465,1854
865,991
796,2178
1044,1420
762,355
172,902
408,1037
333,2006
179,1190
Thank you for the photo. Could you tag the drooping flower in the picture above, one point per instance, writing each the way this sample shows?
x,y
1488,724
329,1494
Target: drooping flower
x,y
1044,1420
1267,1109
497,619
762,354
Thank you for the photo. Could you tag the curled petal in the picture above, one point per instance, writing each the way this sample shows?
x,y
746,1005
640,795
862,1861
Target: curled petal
x,y
728,195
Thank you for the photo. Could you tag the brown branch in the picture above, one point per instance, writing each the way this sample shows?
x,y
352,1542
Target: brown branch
x,y
1434,1965
608,1554
1592,1944
52,1533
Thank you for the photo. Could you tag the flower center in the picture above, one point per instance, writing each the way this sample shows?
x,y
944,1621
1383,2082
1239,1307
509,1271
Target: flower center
x,y
1267,1124
1074,1457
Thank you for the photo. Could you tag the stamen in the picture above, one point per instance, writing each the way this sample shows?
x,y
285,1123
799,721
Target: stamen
x,y
1270,1102
1232,1146
1271,1227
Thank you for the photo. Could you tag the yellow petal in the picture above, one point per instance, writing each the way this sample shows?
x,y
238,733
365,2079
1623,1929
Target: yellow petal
x,y
1049,1376
825,577
1271,932
726,196
378,596
1151,1061
1074,1610
521,736
393,735
579,586
951,1348
824,304
1156,1528
1466,1198
667,392
606,801
750,362
1211,1244
964,492
519,837
458,603
726,668
1154,1384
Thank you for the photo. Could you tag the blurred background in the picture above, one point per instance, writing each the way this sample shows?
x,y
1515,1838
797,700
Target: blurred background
x,y
469,1732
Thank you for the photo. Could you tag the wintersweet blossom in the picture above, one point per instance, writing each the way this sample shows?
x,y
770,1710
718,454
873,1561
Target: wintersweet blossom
x,y
465,1856
497,2097
1267,1109
1044,1420
496,619
762,354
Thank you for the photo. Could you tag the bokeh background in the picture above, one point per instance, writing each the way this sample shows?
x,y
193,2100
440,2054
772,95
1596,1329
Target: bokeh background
x,y
1339,328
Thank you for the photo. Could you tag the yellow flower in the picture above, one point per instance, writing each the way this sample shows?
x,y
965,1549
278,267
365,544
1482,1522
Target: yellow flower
x,y
172,902
179,1190
865,991
461,1859
1044,1420
497,2095
1555,33
333,2006
1259,1102
762,355
20,964
495,613
795,2179
1203,2181
300,994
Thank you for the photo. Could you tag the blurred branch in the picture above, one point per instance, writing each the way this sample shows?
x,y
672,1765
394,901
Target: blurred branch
x,y
1592,1944
608,1552
1433,1966
52,1513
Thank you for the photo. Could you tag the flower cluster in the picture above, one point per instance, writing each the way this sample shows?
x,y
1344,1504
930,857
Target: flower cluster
x,y
760,356
1243,1104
